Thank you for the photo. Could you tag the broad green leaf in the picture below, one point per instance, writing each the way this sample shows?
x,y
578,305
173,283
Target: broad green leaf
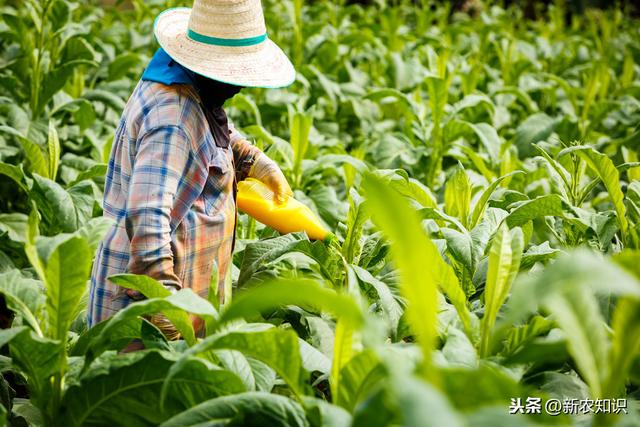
x,y
457,195
172,306
578,315
321,413
411,248
504,263
151,288
407,401
122,65
313,359
23,296
358,377
15,225
125,389
66,273
549,205
385,298
485,385
460,247
259,255
625,346
16,174
252,409
481,204
301,292
486,134
342,354
300,126
534,129
32,151
278,348
55,204
40,358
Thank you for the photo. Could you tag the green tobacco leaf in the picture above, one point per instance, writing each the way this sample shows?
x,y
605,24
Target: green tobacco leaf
x,y
253,409
577,313
625,345
358,377
278,348
549,205
504,263
411,248
91,344
147,286
33,153
457,195
409,187
386,299
124,390
94,230
122,65
567,289
172,306
538,253
55,204
300,126
342,354
321,413
408,401
15,173
460,246
23,296
481,204
258,255
534,129
602,165
66,273
40,358
301,292
521,335
488,384
487,136
151,288
15,225
53,151
356,218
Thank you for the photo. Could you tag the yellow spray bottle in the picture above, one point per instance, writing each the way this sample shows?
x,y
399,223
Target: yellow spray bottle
x,y
257,200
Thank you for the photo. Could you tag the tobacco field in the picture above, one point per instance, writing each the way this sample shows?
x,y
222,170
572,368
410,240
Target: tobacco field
x,y
481,175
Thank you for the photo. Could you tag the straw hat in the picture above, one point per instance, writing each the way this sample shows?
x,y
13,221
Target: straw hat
x,y
225,40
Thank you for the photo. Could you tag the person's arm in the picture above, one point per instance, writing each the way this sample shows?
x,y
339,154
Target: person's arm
x,y
161,158
253,163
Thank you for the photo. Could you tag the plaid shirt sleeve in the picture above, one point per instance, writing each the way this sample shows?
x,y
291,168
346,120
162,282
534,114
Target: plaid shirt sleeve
x,y
162,156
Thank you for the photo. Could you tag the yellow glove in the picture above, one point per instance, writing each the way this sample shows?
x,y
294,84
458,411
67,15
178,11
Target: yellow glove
x,y
266,170
165,326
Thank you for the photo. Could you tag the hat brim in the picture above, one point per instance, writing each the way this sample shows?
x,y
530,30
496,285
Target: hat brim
x,y
261,65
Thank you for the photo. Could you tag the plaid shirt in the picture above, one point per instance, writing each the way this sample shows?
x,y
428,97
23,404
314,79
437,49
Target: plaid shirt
x,y
169,188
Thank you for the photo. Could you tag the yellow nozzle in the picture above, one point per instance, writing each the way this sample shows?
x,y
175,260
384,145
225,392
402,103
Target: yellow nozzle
x,y
257,200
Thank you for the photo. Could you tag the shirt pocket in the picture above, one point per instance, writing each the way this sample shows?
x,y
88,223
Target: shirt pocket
x,y
219,181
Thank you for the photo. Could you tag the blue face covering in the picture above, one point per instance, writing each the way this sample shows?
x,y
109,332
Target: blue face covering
x,y
163,69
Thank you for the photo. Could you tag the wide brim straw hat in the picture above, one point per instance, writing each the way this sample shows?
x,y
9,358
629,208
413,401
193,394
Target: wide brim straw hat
x,y
225,40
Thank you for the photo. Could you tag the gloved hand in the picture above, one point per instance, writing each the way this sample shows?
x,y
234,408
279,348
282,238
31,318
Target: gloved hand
x,y
165,326
267,171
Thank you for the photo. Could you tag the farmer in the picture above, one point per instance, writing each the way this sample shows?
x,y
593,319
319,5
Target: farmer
x,y
171,181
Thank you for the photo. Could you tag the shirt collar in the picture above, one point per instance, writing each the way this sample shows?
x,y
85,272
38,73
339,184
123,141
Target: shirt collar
x,y
163,69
